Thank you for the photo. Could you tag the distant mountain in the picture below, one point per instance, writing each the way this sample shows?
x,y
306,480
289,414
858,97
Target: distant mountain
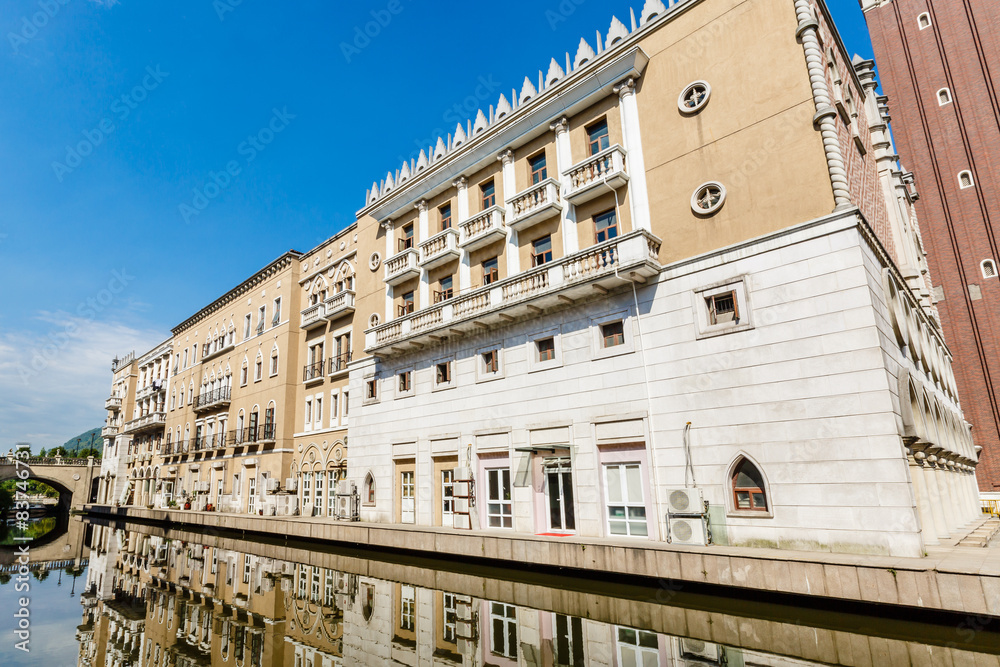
x,y
91,438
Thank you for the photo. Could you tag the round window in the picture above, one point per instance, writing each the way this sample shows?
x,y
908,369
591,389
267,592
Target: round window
x,y
694,97
374,320
374,261
708,198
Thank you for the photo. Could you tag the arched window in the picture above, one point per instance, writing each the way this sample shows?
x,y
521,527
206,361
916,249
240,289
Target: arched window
x,y
369,490
244,372
965,179
274,361
258,367
924,20
989,268
191,393
748,487
367,601
944,97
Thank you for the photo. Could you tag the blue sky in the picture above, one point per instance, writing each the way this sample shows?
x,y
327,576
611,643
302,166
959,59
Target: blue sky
x,y
116,114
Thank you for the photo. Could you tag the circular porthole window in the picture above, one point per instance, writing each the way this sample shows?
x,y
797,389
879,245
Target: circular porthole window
x,y
374,261
694,97
374,321
708,198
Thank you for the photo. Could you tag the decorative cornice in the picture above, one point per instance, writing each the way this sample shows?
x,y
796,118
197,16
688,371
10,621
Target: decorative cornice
x,y
421,206
506,157
559,126
626,87
460,183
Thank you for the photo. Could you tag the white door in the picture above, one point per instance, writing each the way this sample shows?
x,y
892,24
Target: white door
x,y
252,493
407,497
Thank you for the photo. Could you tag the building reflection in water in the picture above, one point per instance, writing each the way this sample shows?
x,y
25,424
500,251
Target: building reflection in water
x,y
160,602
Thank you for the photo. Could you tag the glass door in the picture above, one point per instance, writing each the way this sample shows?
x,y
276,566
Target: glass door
x,y
407,486
498,506
559,493
626,505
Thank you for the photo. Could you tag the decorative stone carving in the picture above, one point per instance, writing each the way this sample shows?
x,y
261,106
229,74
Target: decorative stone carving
x,y
481,123
459,136
616,33
506,157
439,149
528,91
503,107
559,126
584,54
555,74
421,161
651,10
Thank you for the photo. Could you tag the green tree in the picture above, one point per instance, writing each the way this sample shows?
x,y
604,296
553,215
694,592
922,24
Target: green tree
x,y
40,574
41,452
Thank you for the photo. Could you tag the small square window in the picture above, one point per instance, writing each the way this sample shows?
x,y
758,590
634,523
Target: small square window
x,y
406,241
491,271
442,373
546,348
491,362
406,307
539,172
445,213
371,389
446,291
722,308
613,334
489,193
597,137
606,226
405,381
541,251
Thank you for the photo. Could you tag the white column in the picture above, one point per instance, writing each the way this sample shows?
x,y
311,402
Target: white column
x,y
934,494
635,164
464,271
951,474
564,160
388,227
947,506
920,495
977,506
423,233
509,191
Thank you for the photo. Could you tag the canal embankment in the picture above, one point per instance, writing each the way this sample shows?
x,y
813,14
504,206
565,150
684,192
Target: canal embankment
x,y
953,581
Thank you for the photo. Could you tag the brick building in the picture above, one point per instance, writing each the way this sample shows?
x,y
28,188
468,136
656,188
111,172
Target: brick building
x,y
935,62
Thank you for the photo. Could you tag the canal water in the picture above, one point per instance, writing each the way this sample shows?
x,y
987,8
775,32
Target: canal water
x,y
150,595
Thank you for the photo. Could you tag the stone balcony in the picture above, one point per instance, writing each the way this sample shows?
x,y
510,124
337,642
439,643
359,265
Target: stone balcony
x,y
109,431
439,249
149,422
341,303
598,268
314,316
482,229
535,204
401,267
152,388
208,353
586,180
113,403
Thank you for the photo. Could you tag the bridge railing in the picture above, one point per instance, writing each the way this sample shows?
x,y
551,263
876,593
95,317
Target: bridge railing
x,y
51,461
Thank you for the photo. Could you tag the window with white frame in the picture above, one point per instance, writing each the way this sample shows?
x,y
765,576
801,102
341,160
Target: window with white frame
x,y
924,21
274,362
334,407
498,498
258,368
443,374
722,308
276,318
309,414
490,364
247,326
318,417
612,335
503,630
989,268
944,97
637,647
408,608
965,179
625,495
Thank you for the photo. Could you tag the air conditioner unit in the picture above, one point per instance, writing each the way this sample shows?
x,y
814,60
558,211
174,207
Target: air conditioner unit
x,y
272,485
291,484
249,463
267,584
695,648
346,488
286,584
685,501
688,530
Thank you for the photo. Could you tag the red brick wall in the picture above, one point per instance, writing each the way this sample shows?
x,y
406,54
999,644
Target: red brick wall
x,y
959,51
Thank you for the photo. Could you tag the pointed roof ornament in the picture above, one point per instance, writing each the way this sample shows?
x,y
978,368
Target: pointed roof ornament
x,y
440,149
616,33
584,54
651,10
632,15
404,173
555,74
459,136
527,91
600,44
503,107
389,184
480,124
421,161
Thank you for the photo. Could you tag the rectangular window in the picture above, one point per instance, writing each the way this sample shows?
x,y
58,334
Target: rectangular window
x,y
626,505
541,251
247,570
252,495
446,290
405,381
491,270
276,319
445,214
319,412
261,317
538,170
637,647
406,307
546,348
247,326
309,413
503,630
488,190
597,137
449,606
407,496
442,372
606,226
334,408
406,241
567,641
722,308
185,358
498,505
408,609
613,334
448,498
347,404
371,389
491,361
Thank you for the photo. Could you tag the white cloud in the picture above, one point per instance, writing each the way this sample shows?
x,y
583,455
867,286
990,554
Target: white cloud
x,y
53,385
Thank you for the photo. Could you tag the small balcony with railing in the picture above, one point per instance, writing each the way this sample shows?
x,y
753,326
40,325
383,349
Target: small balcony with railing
x,y
312,372
147,422
482,229
314,315
338,305
109,431
590,178
338,364
401,267
539,202
439,249
262,433
213,399
151,389
212,350
113,403
597,269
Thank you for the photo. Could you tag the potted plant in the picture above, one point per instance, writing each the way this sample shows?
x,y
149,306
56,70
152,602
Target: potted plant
x,y
187,505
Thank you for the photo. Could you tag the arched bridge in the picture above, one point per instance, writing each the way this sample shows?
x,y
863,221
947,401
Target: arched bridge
x,y
74,479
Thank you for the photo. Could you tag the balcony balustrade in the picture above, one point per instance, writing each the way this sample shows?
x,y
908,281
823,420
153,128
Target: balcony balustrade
x,y
401,267
109,431
113,403
210,400
602,266
339,364
537,203
340,304
314,316
213,350
261,433
148,422
586,180
483,229
439,249
313,371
